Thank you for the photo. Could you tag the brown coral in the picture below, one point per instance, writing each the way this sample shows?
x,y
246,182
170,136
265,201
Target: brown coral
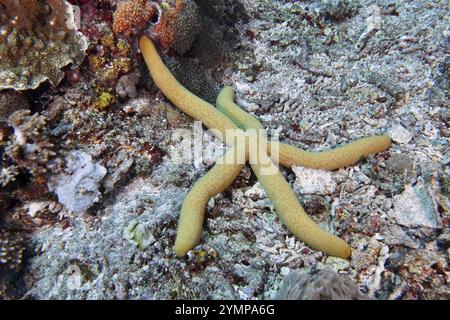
x,y
37,39
11,250
179,26
132,14
29,149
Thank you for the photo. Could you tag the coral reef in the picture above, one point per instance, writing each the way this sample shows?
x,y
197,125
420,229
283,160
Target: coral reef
x,y
111,59
315,73
37,39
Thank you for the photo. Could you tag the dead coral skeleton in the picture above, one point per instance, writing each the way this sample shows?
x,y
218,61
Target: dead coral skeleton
x,y
324,284
29,149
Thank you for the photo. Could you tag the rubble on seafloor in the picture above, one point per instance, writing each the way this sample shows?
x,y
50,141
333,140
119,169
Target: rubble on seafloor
x,y
90,186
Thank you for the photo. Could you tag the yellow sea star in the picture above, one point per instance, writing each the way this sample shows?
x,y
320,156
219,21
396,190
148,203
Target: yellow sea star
x,y
228,116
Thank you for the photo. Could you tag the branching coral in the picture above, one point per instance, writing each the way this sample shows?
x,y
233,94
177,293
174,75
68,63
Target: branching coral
x,y
8,174
230,116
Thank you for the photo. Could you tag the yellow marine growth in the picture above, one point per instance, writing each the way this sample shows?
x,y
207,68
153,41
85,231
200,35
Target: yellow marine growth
x,y
228,116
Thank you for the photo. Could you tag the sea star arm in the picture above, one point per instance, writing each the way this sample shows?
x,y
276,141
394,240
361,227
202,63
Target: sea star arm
x,y
289,155
336,158
218,178
186,101
280,192
292,214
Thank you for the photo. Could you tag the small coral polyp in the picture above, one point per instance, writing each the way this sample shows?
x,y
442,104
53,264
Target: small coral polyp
x,y
37,39
11,250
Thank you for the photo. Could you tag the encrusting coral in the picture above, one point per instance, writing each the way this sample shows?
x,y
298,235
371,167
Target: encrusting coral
x,y
77,184
11,101
131,14
11,250
37,39
178,26
278,190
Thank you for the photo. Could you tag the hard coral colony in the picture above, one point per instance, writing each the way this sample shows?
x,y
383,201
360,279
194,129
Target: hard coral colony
x,y
227,116
37,39
132,14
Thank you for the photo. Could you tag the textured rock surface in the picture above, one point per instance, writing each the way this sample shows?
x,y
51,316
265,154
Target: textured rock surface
x,y
311,181
77,187
11,101
415,207
400,135
324,284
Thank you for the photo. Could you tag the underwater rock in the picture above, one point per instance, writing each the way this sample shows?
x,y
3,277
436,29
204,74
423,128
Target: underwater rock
x,y
37,39
400,135
324,284
416,208
313,181
77,187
